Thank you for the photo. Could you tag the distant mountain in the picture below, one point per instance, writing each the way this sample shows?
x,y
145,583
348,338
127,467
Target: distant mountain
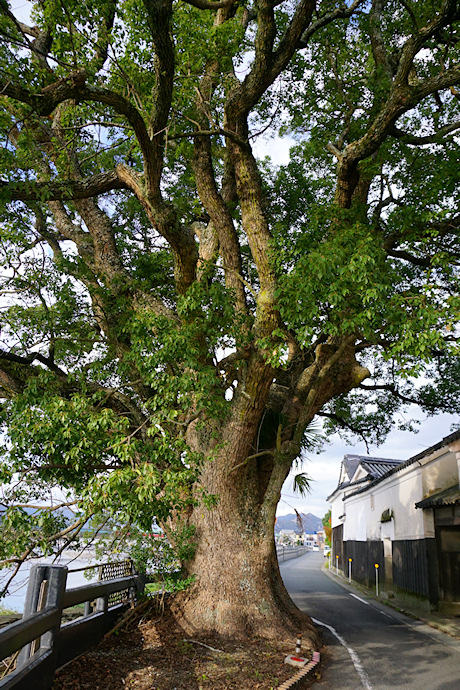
x,y
311,523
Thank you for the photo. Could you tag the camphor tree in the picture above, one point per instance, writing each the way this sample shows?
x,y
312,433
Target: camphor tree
x,y
175,312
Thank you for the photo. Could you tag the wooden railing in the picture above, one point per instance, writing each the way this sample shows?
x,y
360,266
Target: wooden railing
x,y
43,642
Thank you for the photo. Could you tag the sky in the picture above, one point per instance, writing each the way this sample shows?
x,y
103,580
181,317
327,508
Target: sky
x,y
324,469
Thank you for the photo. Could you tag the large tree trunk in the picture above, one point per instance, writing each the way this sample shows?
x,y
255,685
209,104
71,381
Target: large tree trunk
x,y
238,589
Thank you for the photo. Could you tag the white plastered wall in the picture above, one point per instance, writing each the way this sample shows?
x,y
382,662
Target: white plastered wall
x,y
440,470
399,493
336,503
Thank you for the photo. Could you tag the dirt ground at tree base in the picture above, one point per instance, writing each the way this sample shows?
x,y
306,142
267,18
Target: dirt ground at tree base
x,y
150,652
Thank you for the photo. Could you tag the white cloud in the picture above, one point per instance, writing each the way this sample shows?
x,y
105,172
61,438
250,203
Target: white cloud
x,y
278,149
21,10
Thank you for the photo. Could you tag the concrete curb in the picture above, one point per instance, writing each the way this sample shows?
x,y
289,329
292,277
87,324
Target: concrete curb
x,y
296,680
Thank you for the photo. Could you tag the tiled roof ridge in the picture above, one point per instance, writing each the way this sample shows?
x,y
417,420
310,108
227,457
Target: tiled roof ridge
x,y
444,442
371,458
352,462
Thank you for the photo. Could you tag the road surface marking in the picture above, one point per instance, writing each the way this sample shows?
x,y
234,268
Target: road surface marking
x,y
386,614
365,682
367,604
359,599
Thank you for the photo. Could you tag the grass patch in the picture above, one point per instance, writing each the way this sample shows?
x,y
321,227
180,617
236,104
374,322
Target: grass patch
x,y
7,612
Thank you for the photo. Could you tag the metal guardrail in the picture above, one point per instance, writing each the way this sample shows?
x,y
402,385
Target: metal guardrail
x,y
43,643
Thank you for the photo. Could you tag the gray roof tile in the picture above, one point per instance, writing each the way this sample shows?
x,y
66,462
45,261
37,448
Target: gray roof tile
x,y
446,497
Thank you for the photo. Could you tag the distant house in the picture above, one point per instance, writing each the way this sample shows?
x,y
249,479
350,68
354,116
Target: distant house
x,y
405,517
310,539
287,536
321,535
314,539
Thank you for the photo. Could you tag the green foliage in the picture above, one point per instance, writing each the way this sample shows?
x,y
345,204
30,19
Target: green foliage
x,y
301,483
19,529
117,385
153,555
171,584
327,528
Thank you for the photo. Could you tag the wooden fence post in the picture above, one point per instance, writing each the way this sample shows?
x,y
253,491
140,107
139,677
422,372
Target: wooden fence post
x,y
46,589
32,604
51,645
57,580
141,582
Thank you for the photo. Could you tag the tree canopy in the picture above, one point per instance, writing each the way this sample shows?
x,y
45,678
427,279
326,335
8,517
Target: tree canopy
x,y
175,310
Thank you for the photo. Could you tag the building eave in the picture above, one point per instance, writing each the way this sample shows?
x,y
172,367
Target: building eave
x,y
415,458
446,497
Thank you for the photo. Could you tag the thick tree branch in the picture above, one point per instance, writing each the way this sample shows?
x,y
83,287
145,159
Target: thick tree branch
x,y
164,219
209,4
268,64
436,138
159,17
401,99
66,190
17,359
96,247
413,44
407,256
335,370
439,231
444,80
377,41
70,231
221,218
16,371
74,87
220,131
339,13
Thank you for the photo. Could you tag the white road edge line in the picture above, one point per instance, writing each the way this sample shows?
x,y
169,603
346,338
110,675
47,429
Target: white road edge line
x,y
365,682
386,614
359,599
368,604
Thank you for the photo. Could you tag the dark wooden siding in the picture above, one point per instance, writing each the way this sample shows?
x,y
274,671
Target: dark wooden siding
x,y
364,555
337,547
447,524
414,568
448,540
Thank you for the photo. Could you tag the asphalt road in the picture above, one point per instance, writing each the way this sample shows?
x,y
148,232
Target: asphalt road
x,y
368,644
